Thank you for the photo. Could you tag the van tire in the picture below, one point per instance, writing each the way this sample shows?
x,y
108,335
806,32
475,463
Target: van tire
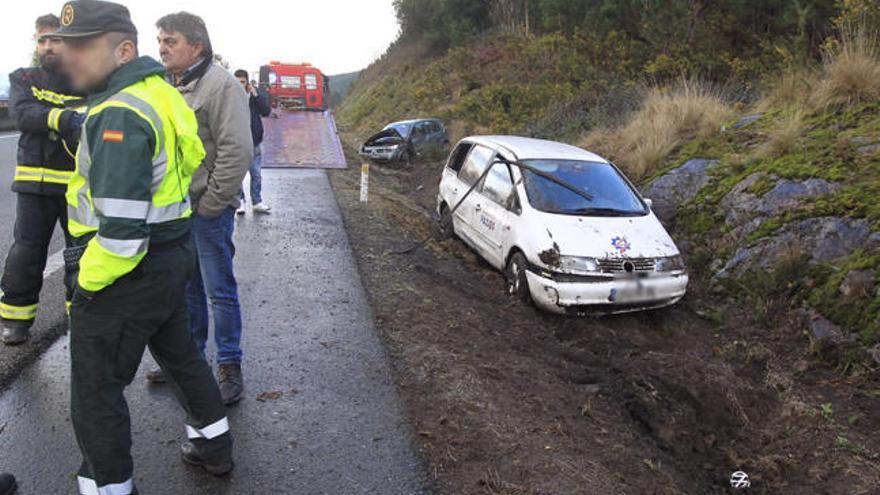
x,y
517,281
445,227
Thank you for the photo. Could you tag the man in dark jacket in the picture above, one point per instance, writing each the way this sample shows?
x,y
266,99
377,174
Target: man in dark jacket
x,y
259,105
41,104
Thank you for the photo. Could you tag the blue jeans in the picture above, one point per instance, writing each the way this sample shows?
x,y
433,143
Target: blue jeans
x,y
256,171
214,282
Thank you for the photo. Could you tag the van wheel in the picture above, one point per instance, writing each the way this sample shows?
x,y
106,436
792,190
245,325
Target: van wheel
x,y
445,227
517,281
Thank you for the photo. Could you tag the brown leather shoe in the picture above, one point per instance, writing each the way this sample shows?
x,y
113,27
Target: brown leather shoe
x,y
231,383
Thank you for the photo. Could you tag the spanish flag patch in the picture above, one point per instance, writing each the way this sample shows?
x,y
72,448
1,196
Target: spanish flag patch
x,y
115,136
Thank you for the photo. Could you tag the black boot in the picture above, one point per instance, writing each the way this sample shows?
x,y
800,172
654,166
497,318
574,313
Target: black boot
x,y
194,455
16,333
7,484
231,383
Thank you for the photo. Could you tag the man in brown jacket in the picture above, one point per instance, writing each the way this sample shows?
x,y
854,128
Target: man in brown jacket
x,y
221,107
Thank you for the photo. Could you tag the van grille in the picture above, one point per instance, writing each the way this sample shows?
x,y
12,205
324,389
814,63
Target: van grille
x,y
628,265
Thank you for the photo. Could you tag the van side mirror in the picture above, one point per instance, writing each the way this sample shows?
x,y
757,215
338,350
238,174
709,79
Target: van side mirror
x,y
650,203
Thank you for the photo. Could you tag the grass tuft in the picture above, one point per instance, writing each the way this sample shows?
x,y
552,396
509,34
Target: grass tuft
x,y
667,118
851,72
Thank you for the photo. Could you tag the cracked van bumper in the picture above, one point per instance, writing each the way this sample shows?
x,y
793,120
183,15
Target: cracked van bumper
x,y
606,296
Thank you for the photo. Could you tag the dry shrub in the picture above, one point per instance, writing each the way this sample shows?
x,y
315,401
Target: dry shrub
x,y
784,135
851,70
792,90
666,119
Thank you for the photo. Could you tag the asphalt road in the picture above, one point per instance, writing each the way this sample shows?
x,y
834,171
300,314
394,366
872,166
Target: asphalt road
x,y
51,320
336,427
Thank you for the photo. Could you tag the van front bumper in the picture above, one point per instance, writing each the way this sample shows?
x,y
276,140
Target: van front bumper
x,y
590,295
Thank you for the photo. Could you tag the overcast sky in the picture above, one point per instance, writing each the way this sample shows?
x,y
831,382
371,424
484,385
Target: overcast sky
x,y
335,35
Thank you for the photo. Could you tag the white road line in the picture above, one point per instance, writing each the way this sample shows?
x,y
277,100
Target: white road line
x,y
10,136
53,264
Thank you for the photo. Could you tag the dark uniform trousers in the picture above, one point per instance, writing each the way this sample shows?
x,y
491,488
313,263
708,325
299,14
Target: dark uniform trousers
x,y
35,220
108,335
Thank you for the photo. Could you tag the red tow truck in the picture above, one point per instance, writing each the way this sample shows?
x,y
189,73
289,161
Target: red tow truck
x,y
295,86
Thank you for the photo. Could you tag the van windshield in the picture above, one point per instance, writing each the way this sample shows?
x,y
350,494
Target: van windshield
x,y
609,193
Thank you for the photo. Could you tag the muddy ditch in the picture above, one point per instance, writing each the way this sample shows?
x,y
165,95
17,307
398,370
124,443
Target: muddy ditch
x,y
508,400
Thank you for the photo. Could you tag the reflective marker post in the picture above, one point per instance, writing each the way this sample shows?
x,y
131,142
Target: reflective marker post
x,y
365,182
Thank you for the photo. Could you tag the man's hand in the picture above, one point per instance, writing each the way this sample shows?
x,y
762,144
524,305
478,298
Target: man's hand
x,y
72,129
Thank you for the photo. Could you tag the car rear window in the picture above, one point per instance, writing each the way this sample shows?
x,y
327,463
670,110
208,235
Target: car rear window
x,y
456,161
475,165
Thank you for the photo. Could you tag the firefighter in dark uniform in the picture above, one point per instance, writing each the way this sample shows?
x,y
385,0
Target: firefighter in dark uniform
x,y
41,104
129,216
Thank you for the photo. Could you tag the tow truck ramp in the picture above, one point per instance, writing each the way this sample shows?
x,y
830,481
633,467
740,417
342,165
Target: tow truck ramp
x,y
302,140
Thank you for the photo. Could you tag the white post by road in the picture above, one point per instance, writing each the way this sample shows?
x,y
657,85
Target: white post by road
x,y
365,182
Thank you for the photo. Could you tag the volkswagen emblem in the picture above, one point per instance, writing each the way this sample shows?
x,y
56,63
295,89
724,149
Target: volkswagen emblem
x,y
629,267
740,480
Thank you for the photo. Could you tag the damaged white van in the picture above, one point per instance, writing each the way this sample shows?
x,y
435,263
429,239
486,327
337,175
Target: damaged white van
x,y
569,230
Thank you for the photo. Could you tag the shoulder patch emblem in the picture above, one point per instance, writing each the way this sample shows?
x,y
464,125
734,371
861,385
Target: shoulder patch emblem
x,y
114,136
67,15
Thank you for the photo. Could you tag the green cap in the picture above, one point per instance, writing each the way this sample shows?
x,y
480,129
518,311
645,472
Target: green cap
x,y
86,18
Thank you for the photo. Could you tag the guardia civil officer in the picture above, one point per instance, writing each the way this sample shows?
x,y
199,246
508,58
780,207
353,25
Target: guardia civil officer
x,y
130,216
43,107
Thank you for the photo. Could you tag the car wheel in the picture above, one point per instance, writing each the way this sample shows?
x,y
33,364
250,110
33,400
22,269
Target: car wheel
x,y
445,227
406,158
517,281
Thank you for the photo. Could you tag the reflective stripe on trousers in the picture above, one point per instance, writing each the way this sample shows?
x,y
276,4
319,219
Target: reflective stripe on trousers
x,y
209,432
20,313
89,487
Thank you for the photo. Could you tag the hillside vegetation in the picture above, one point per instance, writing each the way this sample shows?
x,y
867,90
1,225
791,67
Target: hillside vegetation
x,y
755,124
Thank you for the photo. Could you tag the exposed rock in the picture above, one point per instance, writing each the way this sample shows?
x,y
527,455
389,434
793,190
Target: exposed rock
x,y
874,352
859,284
743,207
678,187
870,149
826,338
747,120
787,194
873,242
817,239
741,204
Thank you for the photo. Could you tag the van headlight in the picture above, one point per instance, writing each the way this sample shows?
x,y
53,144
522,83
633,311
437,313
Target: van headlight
x,y
670,264
579,265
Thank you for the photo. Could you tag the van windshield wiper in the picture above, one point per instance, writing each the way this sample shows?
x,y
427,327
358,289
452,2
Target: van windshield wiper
x,y
611,212
552,178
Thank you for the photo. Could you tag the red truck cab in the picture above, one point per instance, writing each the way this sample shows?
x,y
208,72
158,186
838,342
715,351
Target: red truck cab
x,y
295,86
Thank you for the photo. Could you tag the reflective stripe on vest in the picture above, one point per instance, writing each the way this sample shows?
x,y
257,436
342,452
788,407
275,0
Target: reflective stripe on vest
x,y
83,212
24,173
53,97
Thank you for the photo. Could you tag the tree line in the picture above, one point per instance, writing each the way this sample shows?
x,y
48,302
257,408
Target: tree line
x,y
686,34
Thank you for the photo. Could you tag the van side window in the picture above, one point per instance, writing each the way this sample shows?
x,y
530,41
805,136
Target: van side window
x,y
499,186
458,156
475,165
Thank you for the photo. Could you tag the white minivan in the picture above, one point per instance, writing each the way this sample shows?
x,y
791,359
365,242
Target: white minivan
x,y
570,231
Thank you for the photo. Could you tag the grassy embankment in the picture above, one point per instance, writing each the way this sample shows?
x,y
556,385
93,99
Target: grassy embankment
x,y
815,119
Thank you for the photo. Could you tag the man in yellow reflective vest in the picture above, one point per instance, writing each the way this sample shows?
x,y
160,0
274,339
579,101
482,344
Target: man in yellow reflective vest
x,y
41,103
129,215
